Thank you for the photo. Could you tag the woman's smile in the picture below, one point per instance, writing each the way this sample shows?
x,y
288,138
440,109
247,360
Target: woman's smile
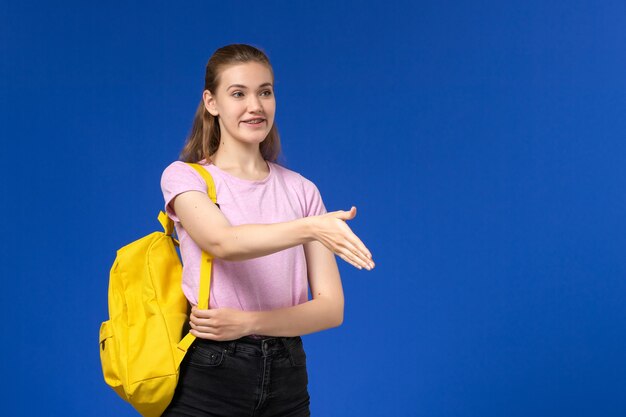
x,y
255,123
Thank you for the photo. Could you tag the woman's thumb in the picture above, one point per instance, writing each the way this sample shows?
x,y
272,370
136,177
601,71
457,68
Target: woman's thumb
x,y
347,215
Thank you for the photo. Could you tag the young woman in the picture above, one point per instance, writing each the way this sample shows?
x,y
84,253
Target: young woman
x,y
271,237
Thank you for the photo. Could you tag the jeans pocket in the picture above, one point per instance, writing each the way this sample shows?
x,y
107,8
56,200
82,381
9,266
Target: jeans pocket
x,y
204,356
297,356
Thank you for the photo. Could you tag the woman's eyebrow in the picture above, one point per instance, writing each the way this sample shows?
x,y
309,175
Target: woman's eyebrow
x,y
244,87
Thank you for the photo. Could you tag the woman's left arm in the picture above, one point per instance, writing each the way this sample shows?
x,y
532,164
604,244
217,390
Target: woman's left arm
x,y
324,311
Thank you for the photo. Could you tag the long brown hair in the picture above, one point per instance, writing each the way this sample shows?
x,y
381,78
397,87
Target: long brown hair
x,y
204,138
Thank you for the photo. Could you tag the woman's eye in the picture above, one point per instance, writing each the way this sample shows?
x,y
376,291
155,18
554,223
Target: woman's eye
x,y
237,92
269,93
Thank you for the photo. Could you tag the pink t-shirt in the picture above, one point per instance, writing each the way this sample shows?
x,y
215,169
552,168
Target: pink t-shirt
x,y
266,283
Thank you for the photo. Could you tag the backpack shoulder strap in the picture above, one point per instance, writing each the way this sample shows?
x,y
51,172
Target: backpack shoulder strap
x,y
167,223
207,258
208,179
205,266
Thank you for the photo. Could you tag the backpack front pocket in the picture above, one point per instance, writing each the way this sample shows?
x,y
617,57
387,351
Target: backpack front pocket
x,y
109,356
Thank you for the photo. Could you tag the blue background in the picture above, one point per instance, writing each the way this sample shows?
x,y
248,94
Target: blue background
x,y
482,142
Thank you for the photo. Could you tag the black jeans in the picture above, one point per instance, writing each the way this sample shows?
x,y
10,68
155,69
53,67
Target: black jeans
x,y
245,377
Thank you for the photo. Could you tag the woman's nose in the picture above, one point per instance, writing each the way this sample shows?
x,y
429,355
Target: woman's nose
x,y
254,104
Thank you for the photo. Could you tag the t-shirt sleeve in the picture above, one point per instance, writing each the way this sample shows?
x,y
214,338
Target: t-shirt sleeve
x,y
177,178
313,199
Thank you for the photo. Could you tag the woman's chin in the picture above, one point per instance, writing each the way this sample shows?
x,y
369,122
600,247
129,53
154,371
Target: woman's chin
x,y
258,137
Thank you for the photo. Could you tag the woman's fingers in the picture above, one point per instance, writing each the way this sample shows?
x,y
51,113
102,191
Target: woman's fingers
x,y
348,260
353,239
359,248
357,259
202,318
355,251
201,314
363,249
202,327
204,335
201,322
358,256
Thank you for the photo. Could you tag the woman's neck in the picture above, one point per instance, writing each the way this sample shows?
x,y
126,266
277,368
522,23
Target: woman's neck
x,y
244,163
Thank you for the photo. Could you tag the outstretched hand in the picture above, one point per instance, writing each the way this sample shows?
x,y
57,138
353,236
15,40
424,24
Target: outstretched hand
x,y
333,232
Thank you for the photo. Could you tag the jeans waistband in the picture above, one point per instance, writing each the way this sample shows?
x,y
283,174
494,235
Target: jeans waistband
x,y
264,344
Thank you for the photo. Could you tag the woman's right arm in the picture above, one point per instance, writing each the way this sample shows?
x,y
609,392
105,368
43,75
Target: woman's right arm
x,y
210,229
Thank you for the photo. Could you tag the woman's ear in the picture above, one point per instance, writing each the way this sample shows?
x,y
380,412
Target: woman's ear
x,y
209,102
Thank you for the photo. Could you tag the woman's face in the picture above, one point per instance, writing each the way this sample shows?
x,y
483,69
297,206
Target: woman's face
x,y
245,92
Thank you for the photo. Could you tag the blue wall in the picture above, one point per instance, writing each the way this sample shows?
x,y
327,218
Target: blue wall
x,y
482,142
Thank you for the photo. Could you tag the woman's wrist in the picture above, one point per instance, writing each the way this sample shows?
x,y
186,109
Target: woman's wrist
x,y
252,323
310,227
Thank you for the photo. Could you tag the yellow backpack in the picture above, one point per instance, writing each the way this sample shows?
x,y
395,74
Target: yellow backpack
x,y
140,345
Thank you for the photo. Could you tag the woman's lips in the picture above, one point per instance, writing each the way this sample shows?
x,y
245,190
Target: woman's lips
x,y
254,125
